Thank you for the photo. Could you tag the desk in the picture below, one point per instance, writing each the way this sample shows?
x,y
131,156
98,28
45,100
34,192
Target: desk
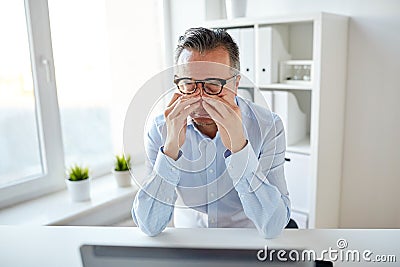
x,y
59,245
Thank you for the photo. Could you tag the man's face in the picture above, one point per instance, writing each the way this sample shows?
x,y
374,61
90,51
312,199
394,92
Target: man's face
x,y
210,64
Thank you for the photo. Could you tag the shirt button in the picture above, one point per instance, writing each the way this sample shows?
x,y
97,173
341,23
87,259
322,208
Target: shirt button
x,y
167,199
211,171
212,194
230,167
212,220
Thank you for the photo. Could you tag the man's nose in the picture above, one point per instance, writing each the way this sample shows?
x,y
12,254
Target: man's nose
x,y
200,88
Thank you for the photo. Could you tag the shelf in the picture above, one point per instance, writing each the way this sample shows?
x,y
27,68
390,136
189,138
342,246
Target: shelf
x,y
267,21
298,62
286,86
302,147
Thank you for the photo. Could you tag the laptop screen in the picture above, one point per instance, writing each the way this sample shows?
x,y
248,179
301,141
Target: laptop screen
x,y
123,256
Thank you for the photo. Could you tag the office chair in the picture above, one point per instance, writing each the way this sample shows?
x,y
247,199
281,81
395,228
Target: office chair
x,y
292,224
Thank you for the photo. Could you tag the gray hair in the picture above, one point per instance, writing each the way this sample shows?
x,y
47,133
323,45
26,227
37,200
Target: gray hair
x,y
203,39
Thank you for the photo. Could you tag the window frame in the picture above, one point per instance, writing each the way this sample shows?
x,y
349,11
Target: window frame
x,y
47,111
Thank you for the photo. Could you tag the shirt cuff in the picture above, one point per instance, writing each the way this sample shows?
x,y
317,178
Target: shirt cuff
x,y
167,168
242,163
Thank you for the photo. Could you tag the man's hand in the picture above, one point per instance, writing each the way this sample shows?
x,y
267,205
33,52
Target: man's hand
x,y
175,117
228,118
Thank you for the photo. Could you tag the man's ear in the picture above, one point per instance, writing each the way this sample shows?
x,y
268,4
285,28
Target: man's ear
x,y
237,80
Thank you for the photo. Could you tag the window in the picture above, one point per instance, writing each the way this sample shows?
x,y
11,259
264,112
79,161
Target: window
x,y
98,65
82,73
19,138
31,165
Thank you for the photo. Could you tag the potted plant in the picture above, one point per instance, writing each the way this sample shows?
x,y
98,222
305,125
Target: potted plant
x,y
121,170
78,183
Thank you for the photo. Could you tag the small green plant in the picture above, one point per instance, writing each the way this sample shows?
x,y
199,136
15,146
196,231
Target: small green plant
x,y
122,164
78,173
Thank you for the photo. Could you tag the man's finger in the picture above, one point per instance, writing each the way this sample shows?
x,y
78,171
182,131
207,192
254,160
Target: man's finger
x,y
174,98
181,117
181,104
179,100
189,109
219,105
212,112
169,108
226,99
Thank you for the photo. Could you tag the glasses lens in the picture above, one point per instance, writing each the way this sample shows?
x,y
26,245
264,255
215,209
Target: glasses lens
x,y
186,86
212,86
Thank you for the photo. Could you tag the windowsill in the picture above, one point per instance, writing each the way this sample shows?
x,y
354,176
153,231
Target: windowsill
x,y
107,205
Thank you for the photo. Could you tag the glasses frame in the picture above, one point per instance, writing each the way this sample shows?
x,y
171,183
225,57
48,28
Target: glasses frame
x,y
222,81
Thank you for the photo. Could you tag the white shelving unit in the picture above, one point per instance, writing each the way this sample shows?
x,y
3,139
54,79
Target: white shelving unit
x,y
285,87
301,147
314,171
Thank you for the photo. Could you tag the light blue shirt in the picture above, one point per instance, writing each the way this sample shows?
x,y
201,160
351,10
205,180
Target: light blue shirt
x,y
219,188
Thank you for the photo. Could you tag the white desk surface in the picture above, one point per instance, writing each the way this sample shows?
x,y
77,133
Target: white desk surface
x,y
59,245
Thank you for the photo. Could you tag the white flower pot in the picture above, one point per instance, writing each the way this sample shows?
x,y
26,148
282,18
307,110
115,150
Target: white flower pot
x,y
79,190
123,178
235,8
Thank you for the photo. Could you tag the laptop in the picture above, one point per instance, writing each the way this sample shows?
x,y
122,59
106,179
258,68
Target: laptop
x,y
132,256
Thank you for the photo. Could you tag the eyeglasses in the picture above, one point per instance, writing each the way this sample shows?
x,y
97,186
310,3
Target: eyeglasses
x,y
211,86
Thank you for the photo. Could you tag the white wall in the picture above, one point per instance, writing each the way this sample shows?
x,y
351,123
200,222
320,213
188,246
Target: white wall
x,y
371,160
184,14
135,42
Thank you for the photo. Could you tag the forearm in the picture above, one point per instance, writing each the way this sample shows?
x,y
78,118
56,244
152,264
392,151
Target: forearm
x,y
154,203
153,206
263,202
266,207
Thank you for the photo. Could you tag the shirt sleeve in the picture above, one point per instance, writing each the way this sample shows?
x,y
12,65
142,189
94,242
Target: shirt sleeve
x,y
260,182
154,203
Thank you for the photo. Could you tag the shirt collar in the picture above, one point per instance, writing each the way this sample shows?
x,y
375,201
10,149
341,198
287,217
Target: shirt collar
x,y
189,121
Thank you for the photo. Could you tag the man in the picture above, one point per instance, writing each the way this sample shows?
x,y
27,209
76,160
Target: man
x,y
213,152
